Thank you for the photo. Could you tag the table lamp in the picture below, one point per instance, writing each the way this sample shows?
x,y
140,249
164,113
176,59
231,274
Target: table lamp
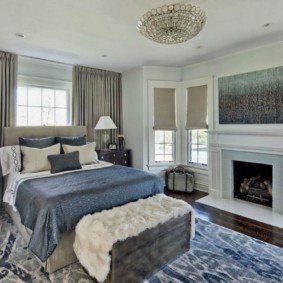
x,y
105,123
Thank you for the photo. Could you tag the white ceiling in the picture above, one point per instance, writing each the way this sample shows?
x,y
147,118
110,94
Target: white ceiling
x,y
81,31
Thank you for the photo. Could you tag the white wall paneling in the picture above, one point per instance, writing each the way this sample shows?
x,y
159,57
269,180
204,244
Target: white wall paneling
x,y
133,114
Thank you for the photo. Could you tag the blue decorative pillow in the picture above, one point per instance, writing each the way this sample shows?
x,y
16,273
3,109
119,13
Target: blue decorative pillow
x,y
64,162
37,143
79,140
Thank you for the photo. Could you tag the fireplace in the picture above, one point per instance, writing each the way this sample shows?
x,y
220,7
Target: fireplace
x,y
226,146
274,163
253,182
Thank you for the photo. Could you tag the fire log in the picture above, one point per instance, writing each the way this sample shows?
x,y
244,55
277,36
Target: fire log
x,y
244,186
259,193
268,186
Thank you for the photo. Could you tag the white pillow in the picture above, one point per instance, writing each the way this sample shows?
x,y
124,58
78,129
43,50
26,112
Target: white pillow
x,y
35,159
10,157
87,153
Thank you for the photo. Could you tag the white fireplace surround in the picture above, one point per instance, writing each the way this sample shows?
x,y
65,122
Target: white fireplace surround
x,y
258,147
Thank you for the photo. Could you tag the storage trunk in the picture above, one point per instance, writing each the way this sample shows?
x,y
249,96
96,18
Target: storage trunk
x,y
136,258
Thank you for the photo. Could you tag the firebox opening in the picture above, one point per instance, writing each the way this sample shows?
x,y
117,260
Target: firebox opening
x,y
253,182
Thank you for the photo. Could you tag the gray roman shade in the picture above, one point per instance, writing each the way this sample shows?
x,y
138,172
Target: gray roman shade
x,y
164,109
196,107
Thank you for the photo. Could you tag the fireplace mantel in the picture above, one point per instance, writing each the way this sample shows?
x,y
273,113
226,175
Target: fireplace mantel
x,y
247,133
267,141
245,143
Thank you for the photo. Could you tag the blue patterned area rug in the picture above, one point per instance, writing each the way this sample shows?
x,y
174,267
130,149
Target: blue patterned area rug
x,y
217,255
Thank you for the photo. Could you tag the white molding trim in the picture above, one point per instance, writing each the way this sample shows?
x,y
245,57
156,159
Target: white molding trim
x,y
40,62
248,133
213,193
39,81
248,148
201,186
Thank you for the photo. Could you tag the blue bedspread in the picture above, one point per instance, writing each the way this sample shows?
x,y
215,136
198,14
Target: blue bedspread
x,y
52,205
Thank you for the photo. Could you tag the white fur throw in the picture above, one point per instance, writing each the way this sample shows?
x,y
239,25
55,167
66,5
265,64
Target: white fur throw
x,y
96,234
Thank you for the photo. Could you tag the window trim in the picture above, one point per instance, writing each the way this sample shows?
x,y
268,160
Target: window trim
x,y
29,81
189,145
174,148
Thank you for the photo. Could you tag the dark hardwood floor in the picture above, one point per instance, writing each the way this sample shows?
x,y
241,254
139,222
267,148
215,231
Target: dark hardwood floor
x,y
255,229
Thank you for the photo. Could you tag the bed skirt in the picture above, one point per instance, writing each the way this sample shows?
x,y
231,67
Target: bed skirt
x,y
62,256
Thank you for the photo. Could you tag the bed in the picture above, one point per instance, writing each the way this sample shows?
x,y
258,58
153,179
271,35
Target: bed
x,y
59,236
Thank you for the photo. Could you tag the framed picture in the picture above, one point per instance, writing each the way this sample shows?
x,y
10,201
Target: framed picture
x,y
112,146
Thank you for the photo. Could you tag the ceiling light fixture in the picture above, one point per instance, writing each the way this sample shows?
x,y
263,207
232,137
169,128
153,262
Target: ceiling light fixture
x,y
171,24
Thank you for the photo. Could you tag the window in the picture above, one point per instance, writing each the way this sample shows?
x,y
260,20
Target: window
x,y
164,146
197,146
38,106
164,128
178,120
197,124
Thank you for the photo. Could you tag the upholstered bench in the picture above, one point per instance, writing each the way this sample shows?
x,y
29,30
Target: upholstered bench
x,y
136,239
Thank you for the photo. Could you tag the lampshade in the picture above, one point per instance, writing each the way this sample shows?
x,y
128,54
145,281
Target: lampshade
x,y
105,123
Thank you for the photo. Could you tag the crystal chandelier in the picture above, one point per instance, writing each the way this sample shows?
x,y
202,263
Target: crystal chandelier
x,y
171,24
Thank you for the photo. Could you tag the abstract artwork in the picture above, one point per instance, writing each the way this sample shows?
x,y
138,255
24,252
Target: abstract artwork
x,y
252,98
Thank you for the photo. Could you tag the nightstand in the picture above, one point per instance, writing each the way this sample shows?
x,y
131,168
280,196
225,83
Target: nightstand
x,y
117,157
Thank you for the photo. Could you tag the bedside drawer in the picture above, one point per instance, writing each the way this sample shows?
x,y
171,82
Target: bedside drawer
x,y
105,157
118,157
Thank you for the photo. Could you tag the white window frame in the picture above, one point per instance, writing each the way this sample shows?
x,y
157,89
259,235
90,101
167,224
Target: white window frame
x,y
189,150
173,143
28,81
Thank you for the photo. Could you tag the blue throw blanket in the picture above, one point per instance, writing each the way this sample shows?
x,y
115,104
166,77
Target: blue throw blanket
x,y
52,205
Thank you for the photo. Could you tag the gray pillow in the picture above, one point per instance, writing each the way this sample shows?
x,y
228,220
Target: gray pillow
x,y
37,143
64,162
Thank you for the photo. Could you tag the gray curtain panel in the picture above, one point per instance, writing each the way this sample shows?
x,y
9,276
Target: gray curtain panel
x,y
96,93
8,90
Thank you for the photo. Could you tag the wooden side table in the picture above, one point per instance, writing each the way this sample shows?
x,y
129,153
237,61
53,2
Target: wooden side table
x,y
118,157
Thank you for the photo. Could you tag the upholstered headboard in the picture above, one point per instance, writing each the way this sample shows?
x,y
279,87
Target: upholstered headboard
x,y
12,134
